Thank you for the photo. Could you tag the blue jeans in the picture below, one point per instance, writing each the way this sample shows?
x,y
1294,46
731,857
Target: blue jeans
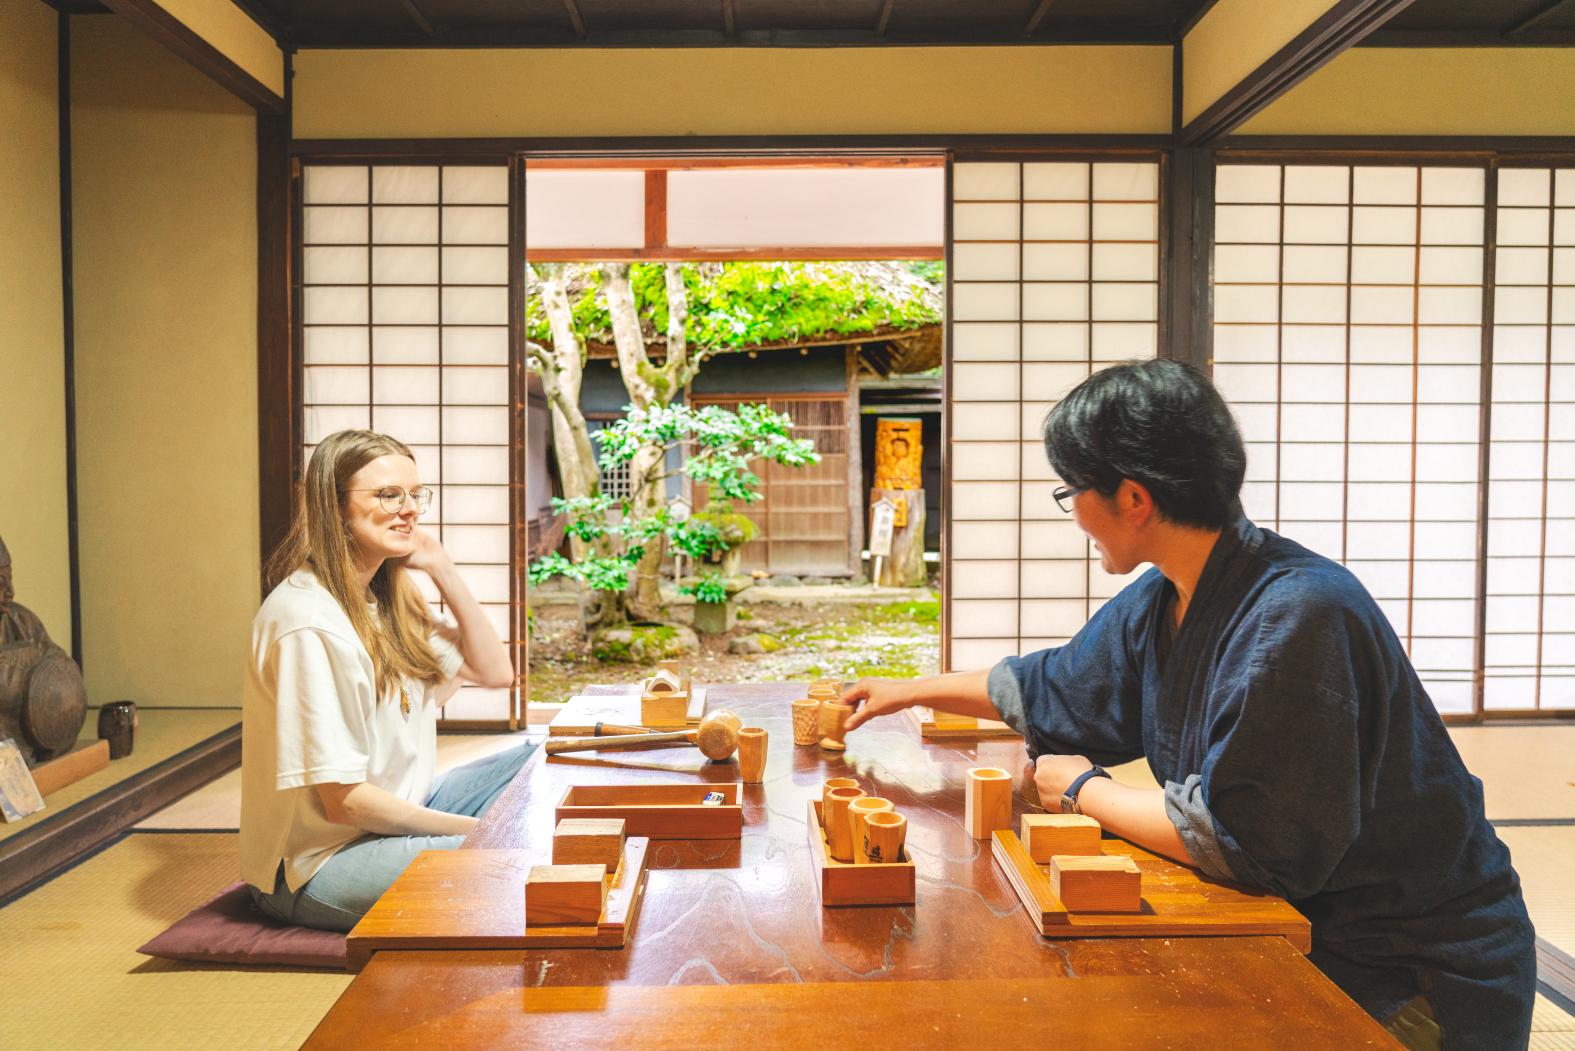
x,y
347,885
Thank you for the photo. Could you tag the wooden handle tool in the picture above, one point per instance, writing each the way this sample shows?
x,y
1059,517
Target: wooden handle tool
x,y
716,737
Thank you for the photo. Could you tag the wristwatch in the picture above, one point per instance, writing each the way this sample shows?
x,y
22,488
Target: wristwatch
x,y
1069,797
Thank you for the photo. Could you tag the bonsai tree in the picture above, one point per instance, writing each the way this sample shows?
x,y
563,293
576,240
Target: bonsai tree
x,y
615,535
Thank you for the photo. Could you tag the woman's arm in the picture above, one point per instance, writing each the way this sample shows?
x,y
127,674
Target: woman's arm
x,y
486,659
376,810
960,693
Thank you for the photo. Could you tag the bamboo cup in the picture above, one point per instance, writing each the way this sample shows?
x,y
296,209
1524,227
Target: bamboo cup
x,y
825,791
858,810
752,754
839,837
834,724
806,720
887,831
824,692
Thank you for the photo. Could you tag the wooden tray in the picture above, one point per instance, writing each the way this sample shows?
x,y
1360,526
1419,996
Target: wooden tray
x,y
1177,901
581,714
943,726
475,899
660,811
848,883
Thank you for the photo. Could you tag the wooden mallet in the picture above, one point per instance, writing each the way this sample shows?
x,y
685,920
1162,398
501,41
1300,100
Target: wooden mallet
x,y
716,737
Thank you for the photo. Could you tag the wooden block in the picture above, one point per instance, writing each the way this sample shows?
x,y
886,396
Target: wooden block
x,y
661,711
71,767
588,841
662,811
1108,883
1046,835
987,801
564,895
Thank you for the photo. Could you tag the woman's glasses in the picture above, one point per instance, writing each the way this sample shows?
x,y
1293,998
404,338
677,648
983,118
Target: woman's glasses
x,y
393,497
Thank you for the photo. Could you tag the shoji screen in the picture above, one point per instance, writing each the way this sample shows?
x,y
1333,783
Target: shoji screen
x,y
405,330
1347,336
1530,646
1054,273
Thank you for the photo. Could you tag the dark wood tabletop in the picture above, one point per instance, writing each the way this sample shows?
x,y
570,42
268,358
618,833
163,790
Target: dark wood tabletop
x,y
733,931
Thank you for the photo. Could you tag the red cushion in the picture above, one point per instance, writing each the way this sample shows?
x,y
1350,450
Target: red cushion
x,y
231,929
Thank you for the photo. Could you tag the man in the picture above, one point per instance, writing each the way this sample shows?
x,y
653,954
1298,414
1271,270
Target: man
x,y
1297,748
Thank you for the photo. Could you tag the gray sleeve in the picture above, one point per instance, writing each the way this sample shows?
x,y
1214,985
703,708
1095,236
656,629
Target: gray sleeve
x,y
1186,809
1007,697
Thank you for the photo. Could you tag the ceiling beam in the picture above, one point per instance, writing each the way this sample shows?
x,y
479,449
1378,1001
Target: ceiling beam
x,y
1532,18
1345,23
884,20
574,17
180,38
729,23
1042,9
418,16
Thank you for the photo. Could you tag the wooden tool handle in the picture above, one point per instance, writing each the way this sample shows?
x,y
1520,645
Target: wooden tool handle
x,y
588,744
613,729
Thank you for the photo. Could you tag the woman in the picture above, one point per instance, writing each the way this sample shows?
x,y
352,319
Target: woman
x,y
348,669
1297,749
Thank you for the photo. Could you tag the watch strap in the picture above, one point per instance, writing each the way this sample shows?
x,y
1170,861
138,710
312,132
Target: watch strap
x,y
1069,797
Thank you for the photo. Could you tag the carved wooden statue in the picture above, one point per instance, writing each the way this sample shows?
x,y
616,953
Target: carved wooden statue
x,y
899,477
43,701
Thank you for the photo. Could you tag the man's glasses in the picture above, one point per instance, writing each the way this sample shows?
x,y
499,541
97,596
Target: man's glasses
x,y
392,497
1063,496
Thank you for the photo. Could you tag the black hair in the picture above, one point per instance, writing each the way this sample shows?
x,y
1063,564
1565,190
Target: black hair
x,y
1159,423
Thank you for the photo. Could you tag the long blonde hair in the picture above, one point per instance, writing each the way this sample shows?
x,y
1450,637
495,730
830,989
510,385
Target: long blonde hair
x,y
320,540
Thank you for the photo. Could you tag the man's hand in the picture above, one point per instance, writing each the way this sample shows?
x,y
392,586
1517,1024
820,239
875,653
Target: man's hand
x,y
878,697
1053,774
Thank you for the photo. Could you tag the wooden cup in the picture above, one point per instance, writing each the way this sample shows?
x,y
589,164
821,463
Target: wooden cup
x,y
987,804
806,721
825,791
834,816
752,754
858,810
887,831
834,724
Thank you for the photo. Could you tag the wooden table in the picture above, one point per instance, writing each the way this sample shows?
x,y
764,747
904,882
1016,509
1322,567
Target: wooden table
x,y
734,944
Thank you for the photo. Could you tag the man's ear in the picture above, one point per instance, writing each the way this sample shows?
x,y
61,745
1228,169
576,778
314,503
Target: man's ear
x,y
1135,502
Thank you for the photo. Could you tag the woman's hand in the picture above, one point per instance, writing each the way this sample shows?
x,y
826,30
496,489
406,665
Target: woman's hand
x,y
426,553
878,697
1053,774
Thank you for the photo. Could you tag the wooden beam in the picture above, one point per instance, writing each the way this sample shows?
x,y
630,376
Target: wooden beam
x,y
1531,19
68,327
729,22
656,212
278,411
773,253
174,34
1345,23
574,18
1038,16
884,20
701,163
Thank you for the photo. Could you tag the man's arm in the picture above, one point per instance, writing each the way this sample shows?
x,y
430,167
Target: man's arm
x,y
1137,815
960,693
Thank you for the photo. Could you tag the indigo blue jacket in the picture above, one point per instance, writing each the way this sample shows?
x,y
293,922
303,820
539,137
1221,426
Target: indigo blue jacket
x,y
1300,753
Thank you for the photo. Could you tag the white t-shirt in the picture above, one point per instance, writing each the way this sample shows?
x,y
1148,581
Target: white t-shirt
x,y
310,715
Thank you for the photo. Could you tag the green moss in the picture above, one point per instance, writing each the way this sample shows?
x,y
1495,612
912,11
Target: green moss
x,y
744,614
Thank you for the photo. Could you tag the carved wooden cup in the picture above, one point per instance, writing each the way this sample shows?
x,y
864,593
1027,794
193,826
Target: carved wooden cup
x,y
858,810
806,721
834,816
825,791
834,724
752,754
887,831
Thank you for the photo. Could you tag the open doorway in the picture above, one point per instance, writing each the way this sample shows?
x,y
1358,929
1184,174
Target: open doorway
x,y
813,293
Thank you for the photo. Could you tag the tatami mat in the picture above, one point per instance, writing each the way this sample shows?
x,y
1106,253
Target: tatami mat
x,y
218,803
1545,858
73,979
1526,771
163,732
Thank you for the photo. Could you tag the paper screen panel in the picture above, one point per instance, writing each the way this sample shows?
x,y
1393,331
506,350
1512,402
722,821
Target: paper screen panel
x,y
405,331
1529,663
1054,273
1348,342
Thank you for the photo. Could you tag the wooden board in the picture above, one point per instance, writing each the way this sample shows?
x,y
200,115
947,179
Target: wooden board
x,y
660,811
943,726
70,768
1177,901
846,883
475,899
581,713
